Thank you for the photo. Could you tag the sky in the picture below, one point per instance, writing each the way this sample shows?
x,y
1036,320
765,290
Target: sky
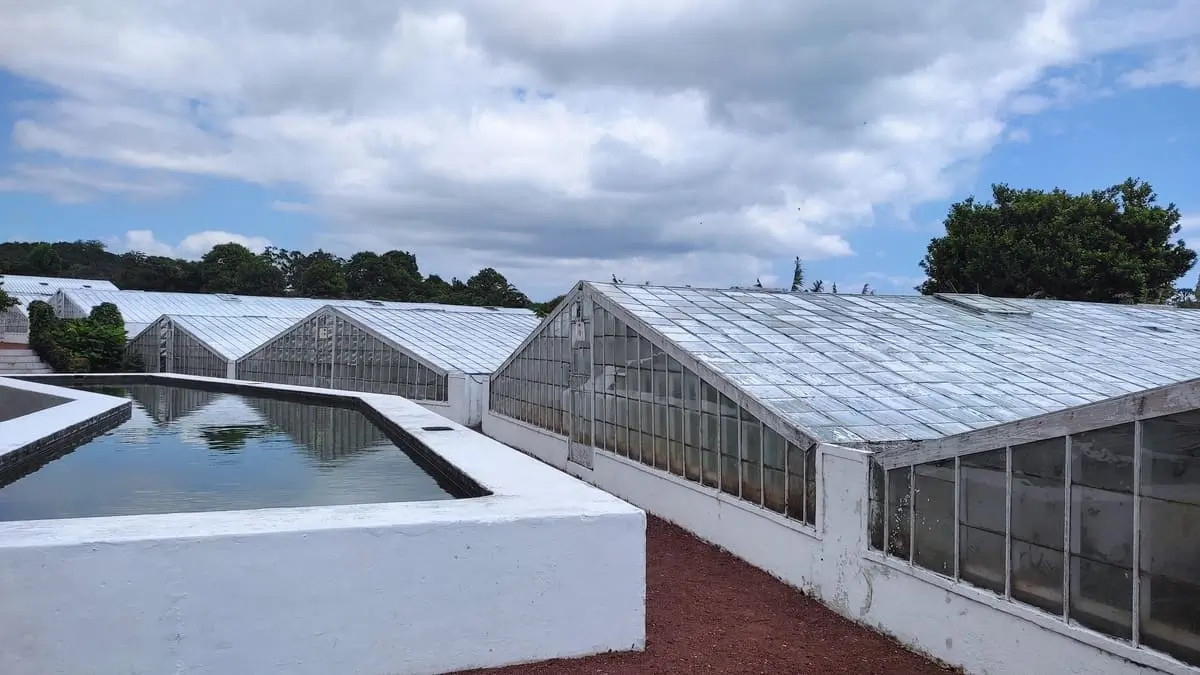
x,y
701,142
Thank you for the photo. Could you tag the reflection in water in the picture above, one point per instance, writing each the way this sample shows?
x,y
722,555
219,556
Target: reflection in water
x,y
188,450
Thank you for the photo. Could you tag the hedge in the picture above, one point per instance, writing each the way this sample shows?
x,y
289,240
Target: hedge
x,y
92,345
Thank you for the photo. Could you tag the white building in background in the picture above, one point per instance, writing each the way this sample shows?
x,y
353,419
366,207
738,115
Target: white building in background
x,y
202,345
14,322
1009,485
437,355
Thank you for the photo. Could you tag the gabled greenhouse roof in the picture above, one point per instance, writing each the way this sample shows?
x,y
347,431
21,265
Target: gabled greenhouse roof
x,y
860,369
141,308
231,337
14,284
28,289
475,341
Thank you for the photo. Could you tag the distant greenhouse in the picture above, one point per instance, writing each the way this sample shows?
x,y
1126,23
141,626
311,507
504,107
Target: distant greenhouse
x,y
1032,463
438,356
14,322
202,345
141,308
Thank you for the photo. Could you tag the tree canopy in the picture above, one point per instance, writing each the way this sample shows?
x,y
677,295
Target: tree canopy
x,y
233,268
1109,245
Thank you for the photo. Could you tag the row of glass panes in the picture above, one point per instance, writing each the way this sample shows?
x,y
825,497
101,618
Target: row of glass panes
x,y
646,406
532,387
312,354
999,520
189,357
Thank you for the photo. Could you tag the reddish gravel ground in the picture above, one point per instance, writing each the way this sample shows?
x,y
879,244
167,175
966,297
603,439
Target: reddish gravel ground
x,y
709,612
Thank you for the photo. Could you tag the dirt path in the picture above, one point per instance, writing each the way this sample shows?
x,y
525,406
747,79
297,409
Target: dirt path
x,y
709,612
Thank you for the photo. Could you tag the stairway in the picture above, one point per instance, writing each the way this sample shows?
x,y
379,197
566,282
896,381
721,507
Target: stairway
x,y
21,362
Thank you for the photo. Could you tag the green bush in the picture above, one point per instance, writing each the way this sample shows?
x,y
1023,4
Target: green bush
x,y
92,345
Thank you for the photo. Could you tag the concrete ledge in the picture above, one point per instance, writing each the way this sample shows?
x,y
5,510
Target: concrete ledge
x,y
543,566
56,418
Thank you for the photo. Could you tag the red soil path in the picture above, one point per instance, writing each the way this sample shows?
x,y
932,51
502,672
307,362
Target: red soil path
x,y
709,612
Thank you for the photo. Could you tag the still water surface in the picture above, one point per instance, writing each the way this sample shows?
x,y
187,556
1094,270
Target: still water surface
x,y
191,450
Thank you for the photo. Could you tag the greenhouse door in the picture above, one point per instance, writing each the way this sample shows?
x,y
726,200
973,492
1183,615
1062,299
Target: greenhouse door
x,y
579,443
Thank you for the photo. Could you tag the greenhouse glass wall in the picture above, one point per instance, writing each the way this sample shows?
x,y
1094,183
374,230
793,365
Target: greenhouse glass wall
x,y
14,322
1099,528
762,421
208,346
440,358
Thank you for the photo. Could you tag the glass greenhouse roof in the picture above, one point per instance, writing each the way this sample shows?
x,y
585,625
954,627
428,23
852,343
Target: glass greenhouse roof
x,y
857,369
141,308
474,341
28,289
232,337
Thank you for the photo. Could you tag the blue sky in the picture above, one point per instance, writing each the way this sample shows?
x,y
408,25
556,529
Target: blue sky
x,y
150,150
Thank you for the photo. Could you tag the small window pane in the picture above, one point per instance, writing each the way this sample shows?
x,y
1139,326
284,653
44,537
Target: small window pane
x,y
796,485
730,435
981,518
1038,496
751,457
774,470
933,516
899,512
1170,535
1102,530
875,519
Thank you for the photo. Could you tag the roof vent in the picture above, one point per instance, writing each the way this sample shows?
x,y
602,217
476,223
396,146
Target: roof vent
x,y
228,298
374,303
982,304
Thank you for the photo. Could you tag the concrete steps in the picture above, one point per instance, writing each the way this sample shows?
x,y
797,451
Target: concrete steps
x,y
21,362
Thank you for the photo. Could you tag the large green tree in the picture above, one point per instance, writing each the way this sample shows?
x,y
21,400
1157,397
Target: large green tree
x,y
1112,245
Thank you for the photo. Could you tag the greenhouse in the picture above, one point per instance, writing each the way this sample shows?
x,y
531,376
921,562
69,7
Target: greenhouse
x,y
141,308
14,321
201,345
771,423
438,356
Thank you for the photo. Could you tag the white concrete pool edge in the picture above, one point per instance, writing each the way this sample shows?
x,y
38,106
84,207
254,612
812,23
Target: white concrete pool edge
x,y
418,587
81,408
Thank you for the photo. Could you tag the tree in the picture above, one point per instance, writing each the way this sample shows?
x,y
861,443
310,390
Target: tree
x,y
6,300
45,260
1110,245
489,288
818,286
233,268
544,309
798,276
323,278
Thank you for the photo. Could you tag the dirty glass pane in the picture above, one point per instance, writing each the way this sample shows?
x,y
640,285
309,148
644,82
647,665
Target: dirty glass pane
x,y
899,512
730,434
675,417
981,519
751,457
875,519
774,470
795,481
691,436
1038,497
1170,536
1102,530
810,485
660,410
933,516
710,435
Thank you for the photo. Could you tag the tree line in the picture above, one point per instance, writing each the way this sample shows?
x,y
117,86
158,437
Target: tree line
x,y
233,268
1116,244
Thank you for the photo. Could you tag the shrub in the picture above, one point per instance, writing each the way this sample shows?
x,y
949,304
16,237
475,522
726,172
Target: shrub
x,y
94,344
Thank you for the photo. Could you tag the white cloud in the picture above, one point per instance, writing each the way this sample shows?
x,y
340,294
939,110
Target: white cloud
x,y
79,184
191,247
1180,67
688,141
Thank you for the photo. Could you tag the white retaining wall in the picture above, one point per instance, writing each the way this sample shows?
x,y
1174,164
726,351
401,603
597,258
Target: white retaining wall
x,y
545,567
955,622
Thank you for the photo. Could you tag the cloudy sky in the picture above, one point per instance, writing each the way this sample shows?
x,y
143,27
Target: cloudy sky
x,y
704,142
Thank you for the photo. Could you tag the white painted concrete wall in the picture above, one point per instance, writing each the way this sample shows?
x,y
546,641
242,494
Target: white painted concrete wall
x,y
545,567
982,632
